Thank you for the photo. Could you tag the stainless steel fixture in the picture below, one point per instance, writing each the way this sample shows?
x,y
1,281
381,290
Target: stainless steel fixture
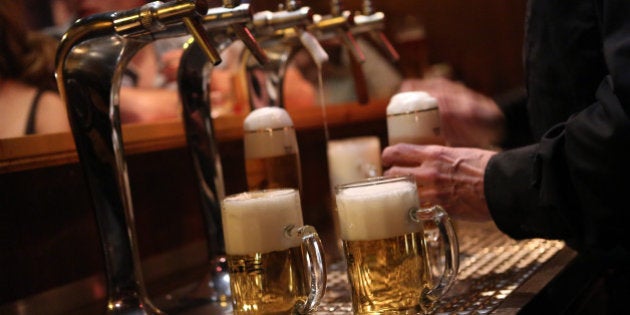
x,y
90,63
281,34
224,25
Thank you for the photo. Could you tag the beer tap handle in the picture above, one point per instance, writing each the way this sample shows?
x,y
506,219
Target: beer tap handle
x,y
197,31
355,53
360,82
341,26
368,9
371,23
351,43
245,35
379,38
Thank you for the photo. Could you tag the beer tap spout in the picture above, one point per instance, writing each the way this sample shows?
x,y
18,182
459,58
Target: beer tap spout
x,y
281,34
90,61
337,27
343,26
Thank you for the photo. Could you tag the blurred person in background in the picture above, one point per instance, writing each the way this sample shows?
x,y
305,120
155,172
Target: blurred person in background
x,y
147,92
564,169
29,102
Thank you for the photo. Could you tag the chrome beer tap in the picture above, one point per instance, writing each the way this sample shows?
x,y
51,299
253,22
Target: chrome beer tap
x,y
335,29
342,25
371,24
223,25
90,62
281,34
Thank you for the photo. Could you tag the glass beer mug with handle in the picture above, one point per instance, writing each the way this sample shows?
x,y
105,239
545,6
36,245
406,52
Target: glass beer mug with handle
x,y
389,266
276,263
414,117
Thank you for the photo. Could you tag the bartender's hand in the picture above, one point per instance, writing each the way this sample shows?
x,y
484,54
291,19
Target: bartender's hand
x,y
451,177
468,118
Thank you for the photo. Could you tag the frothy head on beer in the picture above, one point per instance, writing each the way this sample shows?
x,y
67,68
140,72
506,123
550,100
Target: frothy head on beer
x,y
407,102
413,117
255,221
269,133
377,208
267,118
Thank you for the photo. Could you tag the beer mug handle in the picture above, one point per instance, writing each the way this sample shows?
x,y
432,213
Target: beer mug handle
x,y
440,219
315,265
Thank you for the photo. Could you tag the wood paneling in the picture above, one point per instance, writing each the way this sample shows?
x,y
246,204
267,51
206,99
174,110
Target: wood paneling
x,y
480,40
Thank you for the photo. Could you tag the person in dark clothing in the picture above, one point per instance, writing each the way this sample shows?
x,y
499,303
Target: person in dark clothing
x,y
564,168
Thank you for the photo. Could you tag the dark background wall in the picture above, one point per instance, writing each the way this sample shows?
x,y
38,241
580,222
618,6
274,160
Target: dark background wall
x,y
480,40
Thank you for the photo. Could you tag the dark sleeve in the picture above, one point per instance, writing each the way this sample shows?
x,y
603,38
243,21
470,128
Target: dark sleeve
x,y
513,104
575,183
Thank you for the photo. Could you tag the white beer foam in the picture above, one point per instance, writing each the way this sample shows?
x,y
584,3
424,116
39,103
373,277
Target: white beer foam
x,y
406,102
254,222
376,212
267,118
413,117
269,132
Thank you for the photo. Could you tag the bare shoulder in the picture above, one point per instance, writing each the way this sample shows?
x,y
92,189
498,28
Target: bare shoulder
x,y
51,114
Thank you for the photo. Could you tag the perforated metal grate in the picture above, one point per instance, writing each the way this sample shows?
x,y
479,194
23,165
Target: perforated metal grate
x,y
492,266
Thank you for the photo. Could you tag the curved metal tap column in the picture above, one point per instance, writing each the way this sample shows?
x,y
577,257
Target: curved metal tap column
x,y
194,81
90,62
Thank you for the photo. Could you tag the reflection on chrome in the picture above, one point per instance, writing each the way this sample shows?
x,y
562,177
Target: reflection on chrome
x,y
90,62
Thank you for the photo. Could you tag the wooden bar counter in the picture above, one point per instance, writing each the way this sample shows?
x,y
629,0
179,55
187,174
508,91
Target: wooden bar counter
x,y
51,260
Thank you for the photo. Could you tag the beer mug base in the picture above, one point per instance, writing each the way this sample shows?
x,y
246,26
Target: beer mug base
x,y
261,283
396,269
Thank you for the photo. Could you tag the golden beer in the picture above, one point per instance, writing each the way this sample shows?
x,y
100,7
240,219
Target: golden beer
x,y
385,249
269,283
271,151
273,172
265,254
391,272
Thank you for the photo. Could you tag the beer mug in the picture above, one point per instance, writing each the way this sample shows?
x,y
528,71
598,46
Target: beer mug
x,y
271,150
350,160
276,264
389,265
353,159
413,117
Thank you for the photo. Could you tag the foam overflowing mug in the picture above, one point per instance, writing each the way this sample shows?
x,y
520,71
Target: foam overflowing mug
x,y
272,157
413,117
276,263
390,269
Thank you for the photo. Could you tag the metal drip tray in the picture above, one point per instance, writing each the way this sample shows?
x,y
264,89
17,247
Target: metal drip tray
x,y
492,266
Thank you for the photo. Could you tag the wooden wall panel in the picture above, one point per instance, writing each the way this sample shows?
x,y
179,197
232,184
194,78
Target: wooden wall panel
x,y
480,40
